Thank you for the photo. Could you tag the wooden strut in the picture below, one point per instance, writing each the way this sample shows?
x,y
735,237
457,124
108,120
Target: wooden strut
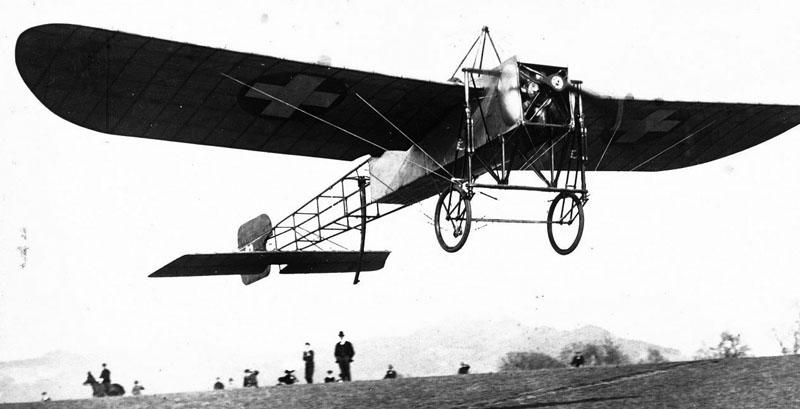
x,y
362,189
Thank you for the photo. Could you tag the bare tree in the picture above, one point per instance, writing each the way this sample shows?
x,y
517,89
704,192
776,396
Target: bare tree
x,y
654,356
730,346
528,361
605,353
792,346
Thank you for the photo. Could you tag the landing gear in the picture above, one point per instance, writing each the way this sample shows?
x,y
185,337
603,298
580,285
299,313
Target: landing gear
x,y
452,219
565,223
549,133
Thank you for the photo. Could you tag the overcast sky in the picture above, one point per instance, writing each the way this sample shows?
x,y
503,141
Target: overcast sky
x,y
672,258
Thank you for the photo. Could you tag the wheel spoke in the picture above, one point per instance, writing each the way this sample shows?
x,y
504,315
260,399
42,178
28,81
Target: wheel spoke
x,y
452,219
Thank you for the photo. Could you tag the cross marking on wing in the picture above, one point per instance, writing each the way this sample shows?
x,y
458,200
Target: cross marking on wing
x,y
301,90
655,122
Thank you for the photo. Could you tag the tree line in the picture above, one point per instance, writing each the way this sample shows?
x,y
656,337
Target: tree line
x,y
607,352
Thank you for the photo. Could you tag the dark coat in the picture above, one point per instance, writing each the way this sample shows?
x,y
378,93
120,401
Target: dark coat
x,y
105,375
344,352
308,356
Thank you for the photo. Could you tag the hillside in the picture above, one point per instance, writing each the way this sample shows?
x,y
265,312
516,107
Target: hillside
x,y
733,383
439,350
431,351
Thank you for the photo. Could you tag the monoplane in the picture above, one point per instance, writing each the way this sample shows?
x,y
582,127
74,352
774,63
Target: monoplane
x,y
409,139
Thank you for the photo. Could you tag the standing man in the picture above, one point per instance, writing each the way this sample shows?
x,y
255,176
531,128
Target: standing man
x,y
344,355
308,357
105,375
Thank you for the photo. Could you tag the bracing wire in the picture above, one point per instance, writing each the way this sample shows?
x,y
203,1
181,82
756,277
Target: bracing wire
x,y
404,134
430,171
673,145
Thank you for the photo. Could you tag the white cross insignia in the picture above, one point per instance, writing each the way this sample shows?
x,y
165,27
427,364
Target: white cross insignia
x,y
301,90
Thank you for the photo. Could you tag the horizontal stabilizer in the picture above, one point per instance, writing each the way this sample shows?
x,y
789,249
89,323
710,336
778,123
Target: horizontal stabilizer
x,y
250,263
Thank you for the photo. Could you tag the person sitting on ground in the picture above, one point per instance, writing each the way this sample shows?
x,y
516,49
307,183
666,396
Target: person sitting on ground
x,y
218,385
45,398
330,378
577,360
137,389
250,378
288,378
390,374
464,369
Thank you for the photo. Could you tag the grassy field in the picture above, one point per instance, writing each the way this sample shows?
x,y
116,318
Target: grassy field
x,y
734,383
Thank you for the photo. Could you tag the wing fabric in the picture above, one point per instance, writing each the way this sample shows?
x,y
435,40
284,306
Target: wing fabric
x,y
130,85
256,262
640,135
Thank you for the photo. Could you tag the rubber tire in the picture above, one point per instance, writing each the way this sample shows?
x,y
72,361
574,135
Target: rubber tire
x,y
467,221
553,205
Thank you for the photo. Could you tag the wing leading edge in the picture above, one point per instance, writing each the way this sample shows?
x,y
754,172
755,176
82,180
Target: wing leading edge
x,y
131,85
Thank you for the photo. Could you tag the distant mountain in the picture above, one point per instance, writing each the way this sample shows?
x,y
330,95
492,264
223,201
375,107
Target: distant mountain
x,y
439,350
58,373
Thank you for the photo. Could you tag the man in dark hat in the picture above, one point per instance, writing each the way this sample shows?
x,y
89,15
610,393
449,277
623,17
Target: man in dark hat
x,y
344,353
463,369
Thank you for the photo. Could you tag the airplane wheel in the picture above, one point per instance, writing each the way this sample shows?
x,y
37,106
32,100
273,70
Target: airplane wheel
x,y
453,218
565,223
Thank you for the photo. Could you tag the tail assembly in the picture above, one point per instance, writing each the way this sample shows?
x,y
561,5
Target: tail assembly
x,y
253,236
297,244
253,262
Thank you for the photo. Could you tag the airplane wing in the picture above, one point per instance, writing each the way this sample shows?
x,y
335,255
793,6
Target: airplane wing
x,y
640,135
131,85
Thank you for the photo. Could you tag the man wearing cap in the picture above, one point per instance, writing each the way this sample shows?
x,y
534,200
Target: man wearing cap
x,y
344,355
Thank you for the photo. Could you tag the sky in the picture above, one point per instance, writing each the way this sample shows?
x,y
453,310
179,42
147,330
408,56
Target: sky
x,y
673,258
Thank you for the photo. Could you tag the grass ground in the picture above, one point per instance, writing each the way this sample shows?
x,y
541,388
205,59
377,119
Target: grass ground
x,y
734,383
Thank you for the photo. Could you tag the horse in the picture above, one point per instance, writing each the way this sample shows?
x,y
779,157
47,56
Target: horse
x,y
98,391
